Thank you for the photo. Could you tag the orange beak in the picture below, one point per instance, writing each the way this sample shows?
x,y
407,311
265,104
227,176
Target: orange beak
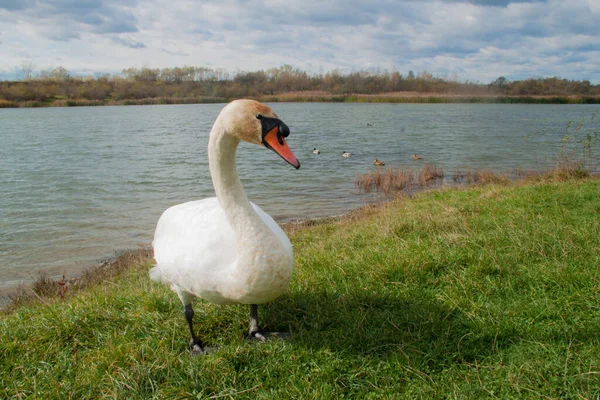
x,y
274,141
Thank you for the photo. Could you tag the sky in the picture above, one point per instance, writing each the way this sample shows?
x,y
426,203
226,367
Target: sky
x,y
465,40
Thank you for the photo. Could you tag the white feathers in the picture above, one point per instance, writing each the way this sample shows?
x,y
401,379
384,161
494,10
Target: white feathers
x,y
223,249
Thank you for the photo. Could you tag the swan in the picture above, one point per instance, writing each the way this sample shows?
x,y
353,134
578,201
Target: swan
x,y
316,151
416,157
226,249
379,163
346,154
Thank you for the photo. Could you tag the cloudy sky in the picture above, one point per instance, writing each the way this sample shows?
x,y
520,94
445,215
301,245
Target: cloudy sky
x,y
475,40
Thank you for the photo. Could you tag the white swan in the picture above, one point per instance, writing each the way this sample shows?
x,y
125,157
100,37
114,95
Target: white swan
x,y
226,249
316,151
346,154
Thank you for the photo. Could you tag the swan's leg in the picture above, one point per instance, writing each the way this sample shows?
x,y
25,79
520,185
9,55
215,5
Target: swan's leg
x,y
196,345
254,333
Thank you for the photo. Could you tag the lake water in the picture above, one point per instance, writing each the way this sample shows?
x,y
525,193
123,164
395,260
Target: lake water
x,y
78,184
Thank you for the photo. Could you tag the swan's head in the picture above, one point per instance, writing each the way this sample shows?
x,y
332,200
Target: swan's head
x,y
256,123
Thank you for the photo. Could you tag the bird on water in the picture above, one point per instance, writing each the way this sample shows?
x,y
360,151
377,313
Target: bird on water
x,y
226,249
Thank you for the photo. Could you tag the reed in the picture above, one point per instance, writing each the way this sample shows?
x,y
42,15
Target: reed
x,y
386,181
394,180
428,174
8,104
577,158
77,103
31,104
422,97
474,176
168,100
45,288
310,96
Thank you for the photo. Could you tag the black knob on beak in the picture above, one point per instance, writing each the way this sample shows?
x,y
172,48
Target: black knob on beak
x,y
284,130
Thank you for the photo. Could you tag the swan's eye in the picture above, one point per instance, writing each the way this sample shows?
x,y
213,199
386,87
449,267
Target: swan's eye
x,y
259,116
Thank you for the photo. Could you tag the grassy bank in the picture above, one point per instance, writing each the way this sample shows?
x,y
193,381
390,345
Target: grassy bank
x,y
314,96
485,292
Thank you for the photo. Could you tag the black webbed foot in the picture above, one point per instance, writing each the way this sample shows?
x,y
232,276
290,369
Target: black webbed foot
x,y
197,348
263,336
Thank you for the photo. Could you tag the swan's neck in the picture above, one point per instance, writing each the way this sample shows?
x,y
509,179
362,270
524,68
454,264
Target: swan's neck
x,y
222,148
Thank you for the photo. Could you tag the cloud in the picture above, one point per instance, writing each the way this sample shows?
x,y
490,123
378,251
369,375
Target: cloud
x,y
175,53
132,44
16,4
65,20
472,39
496,3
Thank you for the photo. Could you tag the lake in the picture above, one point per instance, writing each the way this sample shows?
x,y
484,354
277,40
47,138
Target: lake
x,y
78,184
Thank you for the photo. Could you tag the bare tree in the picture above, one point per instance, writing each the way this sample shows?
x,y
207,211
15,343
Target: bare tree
x,y
27,68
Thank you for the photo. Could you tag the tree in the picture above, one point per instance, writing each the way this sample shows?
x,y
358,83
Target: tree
x,y
499,82
499,85
60,74
27,68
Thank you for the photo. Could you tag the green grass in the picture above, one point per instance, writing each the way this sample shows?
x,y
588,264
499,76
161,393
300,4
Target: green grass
x,y
478,293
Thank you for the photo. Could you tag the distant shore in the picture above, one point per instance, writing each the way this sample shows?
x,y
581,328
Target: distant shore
x,y
316,96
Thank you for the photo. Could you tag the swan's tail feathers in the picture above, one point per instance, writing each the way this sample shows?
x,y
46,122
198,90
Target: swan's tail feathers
x,y
156,274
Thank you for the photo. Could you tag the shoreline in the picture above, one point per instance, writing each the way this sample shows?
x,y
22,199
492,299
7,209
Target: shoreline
x,y
12,288
320,97
11,295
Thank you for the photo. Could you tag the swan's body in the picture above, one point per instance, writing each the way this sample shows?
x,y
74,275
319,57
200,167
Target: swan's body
x,y
210,268
316,151
378,163
346,154
225,249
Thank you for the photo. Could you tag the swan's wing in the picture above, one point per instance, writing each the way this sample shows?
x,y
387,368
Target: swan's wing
x,y
267,219
191,242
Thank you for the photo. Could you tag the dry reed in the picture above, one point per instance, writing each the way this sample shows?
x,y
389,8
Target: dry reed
x,y
471,176
393,180
7,104
45,287
429,173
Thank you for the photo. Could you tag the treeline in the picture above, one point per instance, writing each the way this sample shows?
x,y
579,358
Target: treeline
x,y
205,84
